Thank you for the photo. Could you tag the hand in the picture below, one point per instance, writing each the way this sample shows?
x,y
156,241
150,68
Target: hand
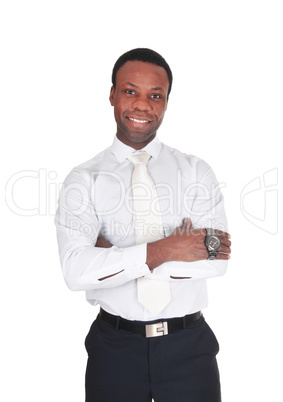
x,y
190,244
101,242
186,245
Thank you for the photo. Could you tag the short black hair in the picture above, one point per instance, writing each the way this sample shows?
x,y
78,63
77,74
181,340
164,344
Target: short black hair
x,y
146,55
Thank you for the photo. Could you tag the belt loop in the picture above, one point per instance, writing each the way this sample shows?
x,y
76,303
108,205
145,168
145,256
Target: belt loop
x,y
184,322
117,323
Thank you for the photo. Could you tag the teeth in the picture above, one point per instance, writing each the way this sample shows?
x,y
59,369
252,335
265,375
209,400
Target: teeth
x,y
138,121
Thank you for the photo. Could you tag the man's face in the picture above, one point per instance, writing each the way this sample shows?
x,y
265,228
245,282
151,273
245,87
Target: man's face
x,y
140,102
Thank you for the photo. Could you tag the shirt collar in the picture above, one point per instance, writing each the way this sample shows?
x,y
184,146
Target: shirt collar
x,y
122,151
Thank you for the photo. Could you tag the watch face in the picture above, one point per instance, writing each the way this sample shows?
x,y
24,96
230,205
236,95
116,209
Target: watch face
x,y
213,243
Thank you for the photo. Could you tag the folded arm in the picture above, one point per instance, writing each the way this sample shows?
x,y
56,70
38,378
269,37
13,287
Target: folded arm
x,y
182,254
86,267
183,245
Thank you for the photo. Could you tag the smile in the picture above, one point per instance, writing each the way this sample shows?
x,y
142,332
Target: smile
x,y
138,121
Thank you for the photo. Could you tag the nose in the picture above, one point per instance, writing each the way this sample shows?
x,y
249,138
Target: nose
x,y
141,104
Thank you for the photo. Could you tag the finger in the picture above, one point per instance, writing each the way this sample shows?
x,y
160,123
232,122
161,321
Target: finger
x,y
222,234
225,249
223,256
225,242
103,243
187,223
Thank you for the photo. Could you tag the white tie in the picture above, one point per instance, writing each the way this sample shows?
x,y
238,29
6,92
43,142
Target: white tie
x,y
153,294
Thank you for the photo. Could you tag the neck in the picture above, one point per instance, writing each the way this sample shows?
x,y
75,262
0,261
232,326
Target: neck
x,y
135,144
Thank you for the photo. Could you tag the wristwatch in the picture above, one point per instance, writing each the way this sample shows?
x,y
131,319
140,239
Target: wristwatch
x,y
213,243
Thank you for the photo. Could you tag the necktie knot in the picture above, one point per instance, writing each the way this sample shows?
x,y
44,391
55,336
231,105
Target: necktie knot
x,y
139,157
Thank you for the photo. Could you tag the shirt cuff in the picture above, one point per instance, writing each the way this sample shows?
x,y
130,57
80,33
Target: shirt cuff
x,y
134,261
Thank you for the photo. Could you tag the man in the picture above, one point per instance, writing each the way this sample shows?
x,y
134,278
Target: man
x,y
140,228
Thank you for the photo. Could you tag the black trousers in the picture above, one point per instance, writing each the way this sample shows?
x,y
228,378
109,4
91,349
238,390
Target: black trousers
x,y
127,367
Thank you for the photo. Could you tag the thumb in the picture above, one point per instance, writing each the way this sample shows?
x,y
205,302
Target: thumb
x,y
187,223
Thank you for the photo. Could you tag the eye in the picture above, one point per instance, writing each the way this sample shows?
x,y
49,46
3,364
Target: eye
x,y
156,96
129,91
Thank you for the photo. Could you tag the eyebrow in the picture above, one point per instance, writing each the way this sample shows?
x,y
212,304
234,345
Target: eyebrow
x,y
153,89
132,85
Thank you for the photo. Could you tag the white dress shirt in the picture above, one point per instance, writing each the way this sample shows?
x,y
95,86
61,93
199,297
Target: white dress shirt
x,y
96,200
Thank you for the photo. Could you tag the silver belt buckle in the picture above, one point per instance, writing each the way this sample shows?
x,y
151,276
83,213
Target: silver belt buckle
x,y
158,329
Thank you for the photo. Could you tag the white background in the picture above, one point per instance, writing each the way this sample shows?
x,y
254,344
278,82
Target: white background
x,y
225,107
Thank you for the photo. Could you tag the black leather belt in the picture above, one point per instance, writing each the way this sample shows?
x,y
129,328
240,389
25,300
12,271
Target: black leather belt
x,y
150,328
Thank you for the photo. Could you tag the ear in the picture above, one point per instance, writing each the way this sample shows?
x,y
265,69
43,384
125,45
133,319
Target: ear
x,y
111,97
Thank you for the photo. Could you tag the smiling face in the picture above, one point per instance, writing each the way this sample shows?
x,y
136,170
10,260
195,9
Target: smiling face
x,y
140,101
